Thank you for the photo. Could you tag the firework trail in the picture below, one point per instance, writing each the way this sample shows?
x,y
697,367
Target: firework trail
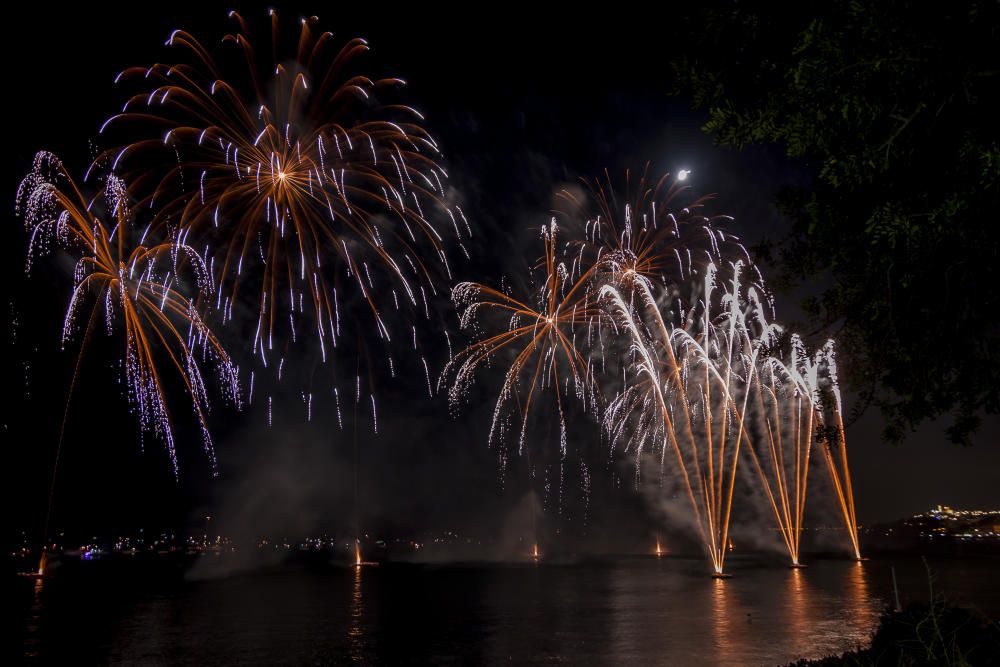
x,y
813,382
693,371
834,445
135,284
302,180
795,412
786,400
543,335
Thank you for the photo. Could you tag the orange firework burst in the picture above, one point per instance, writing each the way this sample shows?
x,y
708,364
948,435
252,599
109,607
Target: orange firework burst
x,y
136,284
546,340
298,170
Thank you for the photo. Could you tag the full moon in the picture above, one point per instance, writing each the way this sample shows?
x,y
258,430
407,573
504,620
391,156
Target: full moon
x,y
683,174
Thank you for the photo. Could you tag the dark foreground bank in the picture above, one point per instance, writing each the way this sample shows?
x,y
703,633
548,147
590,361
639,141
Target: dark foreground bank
x,y
925,634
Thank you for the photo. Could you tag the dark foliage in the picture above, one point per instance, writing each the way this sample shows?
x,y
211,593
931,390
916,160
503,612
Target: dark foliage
x,y
893,107
938,634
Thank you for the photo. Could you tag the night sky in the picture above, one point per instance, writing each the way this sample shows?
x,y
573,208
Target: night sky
x,y
521,105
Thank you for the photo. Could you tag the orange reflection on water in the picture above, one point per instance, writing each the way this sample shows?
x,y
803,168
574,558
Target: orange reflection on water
x,y
355,629
32,636
858,583
861,608
822,620
799,607
858,593
730,626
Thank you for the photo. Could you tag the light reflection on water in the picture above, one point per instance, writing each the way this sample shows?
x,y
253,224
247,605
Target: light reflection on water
x,y
728,622
648,611
823,616
32,636
355,631
799,607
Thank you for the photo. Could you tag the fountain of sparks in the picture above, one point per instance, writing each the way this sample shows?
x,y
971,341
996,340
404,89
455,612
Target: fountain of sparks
x,y
706,387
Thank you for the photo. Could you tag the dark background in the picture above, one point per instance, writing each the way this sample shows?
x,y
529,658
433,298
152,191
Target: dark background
x,y
521,104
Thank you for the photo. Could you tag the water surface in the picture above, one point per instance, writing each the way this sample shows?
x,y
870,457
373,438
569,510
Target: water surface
x,y
637,611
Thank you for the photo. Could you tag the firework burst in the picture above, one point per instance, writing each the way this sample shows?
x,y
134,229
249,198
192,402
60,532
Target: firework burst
x,y
135,285
307,184
640,234
546,335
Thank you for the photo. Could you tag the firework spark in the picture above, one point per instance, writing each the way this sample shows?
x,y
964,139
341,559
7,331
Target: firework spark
x,y
786,407
794,411
693,372
640,234
307,183
625,241
545,333
135,284
834,448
